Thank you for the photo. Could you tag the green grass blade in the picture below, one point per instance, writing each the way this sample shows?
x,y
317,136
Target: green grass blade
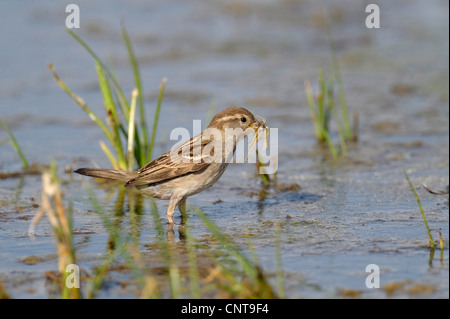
x,y
114,80
321,102
137,81
333,150
113,119
264,177
100,274
430,238
80,102
336,116
110,155
312,109
106,92
156,118
131,128
113,75
245,263
16,146
137,150
251,248
337,71
320,114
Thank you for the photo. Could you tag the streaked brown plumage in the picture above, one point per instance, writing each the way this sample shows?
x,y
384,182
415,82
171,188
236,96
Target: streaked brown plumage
x,y
164,179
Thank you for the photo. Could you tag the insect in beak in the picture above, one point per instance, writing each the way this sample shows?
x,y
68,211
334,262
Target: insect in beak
x,y
260,127
259,123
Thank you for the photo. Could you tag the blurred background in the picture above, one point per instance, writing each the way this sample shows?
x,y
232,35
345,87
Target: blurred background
x,y
256,54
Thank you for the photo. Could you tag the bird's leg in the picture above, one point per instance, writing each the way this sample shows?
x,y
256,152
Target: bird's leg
x,y
171,209
182,209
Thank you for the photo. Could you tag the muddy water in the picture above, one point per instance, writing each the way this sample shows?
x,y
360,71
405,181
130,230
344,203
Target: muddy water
x,y
345,215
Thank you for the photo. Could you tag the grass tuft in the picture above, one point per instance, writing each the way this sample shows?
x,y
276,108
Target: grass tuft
x,y
61,221
125,119
322,106
246,281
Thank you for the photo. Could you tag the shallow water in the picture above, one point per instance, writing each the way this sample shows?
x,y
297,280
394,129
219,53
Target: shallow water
x,y
345,216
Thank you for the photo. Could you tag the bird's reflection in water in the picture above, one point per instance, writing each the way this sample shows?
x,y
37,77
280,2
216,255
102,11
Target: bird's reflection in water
x,y
170,233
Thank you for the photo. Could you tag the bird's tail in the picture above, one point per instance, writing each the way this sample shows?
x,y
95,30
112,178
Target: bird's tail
x,y
113,174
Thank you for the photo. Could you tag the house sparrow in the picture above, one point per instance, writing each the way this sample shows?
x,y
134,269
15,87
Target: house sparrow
x,y
191,167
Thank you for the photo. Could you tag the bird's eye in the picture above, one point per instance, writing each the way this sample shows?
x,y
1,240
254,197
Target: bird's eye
x,y
243,119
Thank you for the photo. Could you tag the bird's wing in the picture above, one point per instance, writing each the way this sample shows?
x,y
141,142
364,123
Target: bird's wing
x,y
188,160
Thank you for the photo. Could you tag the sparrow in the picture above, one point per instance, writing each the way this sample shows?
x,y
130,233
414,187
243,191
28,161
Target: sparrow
x,y
191,167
